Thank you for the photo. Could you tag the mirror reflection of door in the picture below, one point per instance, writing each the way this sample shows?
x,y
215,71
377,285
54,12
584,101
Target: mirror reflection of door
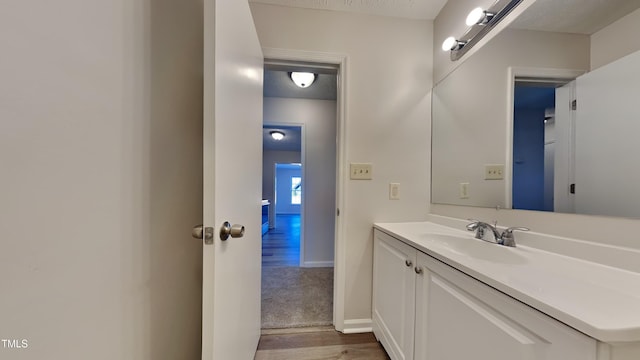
x,y
565,150
538,135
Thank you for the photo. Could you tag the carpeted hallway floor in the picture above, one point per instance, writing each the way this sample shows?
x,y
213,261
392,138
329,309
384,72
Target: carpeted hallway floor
x,y
292,296
296,297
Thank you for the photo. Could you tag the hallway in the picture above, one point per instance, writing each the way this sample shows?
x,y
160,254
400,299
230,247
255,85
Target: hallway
x,y
281,246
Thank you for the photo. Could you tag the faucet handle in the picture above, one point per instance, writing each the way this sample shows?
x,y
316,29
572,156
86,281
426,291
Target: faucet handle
x,y
473,225
507,238
519,228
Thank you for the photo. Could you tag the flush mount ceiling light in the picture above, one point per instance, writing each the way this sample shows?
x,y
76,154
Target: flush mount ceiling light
x,y
277,135
479,16
302,79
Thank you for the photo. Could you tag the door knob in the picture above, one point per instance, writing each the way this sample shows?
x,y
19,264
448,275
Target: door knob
x,y
203,233
235,231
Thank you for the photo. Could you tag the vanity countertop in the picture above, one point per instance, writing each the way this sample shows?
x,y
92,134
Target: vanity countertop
x,y
598,300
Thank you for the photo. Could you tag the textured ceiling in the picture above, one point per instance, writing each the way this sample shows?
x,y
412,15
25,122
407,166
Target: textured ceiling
x,y
412,9
292,138
278,84
574,16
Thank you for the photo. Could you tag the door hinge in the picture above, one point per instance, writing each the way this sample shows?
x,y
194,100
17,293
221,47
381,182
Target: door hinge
x,y
337,212
572,188
574,105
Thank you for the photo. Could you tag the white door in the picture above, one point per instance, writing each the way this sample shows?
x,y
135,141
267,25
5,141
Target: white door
x,y
564,161
232,162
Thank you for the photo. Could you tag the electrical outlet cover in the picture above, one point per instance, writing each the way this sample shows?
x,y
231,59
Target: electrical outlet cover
x,y
394,191
464,190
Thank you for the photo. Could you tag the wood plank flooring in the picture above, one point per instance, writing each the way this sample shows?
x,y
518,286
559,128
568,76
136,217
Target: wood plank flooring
x,y
281,245
322,343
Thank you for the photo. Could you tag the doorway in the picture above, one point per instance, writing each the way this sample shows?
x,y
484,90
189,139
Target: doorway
x,y
533,146
299,181
282,190
541,128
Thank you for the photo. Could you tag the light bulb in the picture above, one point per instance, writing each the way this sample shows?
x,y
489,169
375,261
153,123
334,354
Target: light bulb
x,y
475,16
449,43
303,79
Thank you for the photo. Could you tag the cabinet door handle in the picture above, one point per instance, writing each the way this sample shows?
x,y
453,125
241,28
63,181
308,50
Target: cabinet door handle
x,y
418,270
408,263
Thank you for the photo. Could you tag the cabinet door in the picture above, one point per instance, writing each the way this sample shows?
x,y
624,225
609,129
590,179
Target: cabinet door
x,y
394,295
458,317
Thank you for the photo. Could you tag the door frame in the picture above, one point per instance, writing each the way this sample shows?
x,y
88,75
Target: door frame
x,y
514,72
341,61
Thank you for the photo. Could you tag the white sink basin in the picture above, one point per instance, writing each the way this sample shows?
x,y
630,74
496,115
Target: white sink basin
x,y
477,249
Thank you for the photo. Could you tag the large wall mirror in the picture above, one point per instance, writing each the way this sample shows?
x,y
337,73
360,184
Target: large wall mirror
x,y
546,115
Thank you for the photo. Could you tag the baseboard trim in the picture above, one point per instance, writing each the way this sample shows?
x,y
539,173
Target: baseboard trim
x,y
356,326
311,264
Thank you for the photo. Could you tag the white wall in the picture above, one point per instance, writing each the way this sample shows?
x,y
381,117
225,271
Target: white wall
x,y
616,40
283,191
319,171
389,77
100,146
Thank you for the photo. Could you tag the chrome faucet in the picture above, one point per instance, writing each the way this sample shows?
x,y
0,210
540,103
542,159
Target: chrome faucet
x,y
505,238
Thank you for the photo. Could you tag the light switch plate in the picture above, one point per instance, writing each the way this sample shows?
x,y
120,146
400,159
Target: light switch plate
x,y
361,171
494,172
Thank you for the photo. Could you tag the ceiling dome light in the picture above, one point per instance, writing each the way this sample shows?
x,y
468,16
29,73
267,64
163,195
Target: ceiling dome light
x,y
277,135
303,79
478,16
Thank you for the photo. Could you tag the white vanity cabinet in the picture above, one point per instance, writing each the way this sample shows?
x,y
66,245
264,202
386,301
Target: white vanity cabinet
x,y
430,311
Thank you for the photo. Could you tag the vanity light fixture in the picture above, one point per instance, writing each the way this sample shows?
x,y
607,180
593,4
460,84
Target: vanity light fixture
x,y
481,21
276,135
302,79
479,16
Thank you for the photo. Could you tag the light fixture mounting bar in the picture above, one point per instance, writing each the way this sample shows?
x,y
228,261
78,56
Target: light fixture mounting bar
x,y
501,9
